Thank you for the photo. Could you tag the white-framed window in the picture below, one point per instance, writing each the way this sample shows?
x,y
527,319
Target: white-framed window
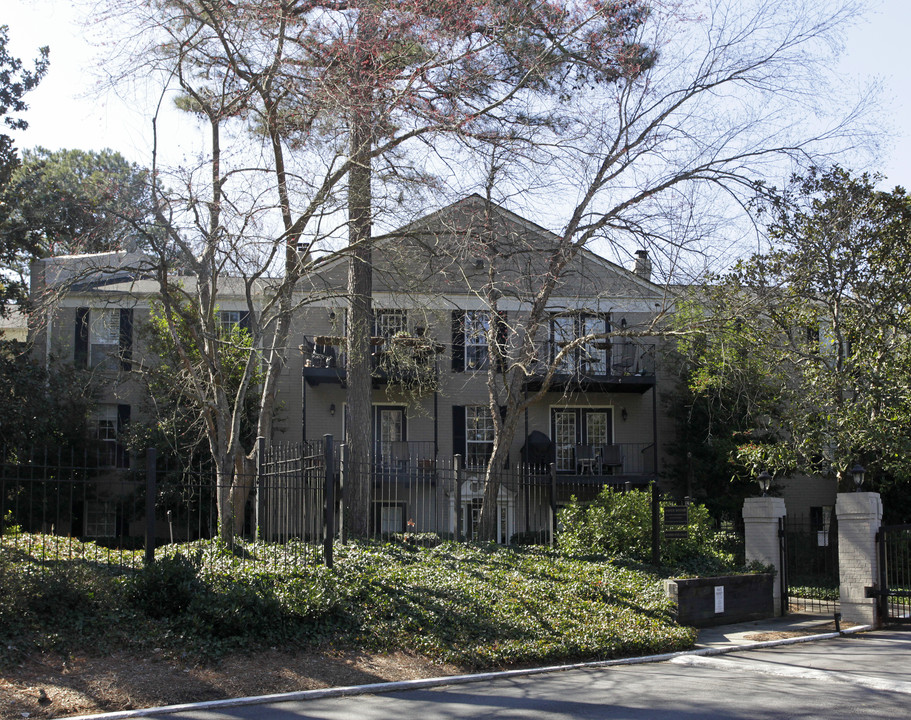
x,y
563,332
100,519
391,518
574,426
479,433
589,358
565,437
593,356
387,323
230,319
596,427
103,338
476,327
104,332
106,434
109,423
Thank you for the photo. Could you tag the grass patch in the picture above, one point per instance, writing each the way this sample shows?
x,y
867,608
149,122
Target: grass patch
x,y
481,607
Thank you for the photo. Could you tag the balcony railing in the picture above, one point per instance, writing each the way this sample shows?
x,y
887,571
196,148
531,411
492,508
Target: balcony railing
x,y
625,365
604,358
403,359
403,455
606,460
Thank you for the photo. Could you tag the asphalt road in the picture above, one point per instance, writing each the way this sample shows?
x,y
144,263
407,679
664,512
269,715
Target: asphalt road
x,y
860,676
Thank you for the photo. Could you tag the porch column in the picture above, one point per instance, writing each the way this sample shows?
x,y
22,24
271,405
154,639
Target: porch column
x,y
760,520
859,517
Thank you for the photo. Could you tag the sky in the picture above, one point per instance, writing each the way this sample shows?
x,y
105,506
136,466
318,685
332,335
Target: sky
x,y
64,112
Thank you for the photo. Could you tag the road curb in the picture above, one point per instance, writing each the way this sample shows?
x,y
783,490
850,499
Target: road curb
x,y
401,685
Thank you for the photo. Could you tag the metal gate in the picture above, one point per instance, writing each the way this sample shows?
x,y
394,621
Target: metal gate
x,y
894,546
809,564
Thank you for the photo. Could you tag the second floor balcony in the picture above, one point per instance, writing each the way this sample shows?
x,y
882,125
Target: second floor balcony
x,y
600,366
403,359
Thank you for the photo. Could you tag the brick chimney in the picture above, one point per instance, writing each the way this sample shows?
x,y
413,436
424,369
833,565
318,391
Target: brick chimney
x,y
643,267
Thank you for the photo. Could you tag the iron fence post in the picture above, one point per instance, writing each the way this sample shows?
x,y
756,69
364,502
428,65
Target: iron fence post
x,y
553,503
883,579
329,519
343,471
656,524
784,602
151,462
457,467
258,483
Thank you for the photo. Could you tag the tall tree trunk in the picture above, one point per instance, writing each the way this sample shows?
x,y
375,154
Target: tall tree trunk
x,y
493,479
359,425
358,428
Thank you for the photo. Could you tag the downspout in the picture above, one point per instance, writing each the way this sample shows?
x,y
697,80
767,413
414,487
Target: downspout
x,y
303,403
656,495
525,471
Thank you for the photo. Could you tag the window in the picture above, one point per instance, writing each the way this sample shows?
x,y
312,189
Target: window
x,y
390,424
470,329
389,433
104,332
100,519
562,333
230,319
387,323
479,434
579,426
389,517
589,358
593,353
110,425
477,324
106,434
565,435
103,338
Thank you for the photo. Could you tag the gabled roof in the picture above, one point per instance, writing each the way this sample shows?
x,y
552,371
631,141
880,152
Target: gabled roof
x,y
450,250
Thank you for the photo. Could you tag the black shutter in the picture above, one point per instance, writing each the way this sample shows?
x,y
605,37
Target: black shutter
x,y
123,421
81,339
458,431
126,339
458,342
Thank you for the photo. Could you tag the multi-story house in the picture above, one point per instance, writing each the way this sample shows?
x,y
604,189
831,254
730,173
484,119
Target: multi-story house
x,y
570,333
443,288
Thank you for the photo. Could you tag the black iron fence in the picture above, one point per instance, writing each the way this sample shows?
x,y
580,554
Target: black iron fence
x,y
894,550
56,506
810,551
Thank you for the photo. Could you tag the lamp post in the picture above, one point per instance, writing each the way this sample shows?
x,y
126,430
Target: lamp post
x,y
764,480
857,472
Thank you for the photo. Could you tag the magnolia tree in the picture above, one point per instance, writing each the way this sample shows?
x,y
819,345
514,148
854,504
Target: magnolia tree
x,y
827,307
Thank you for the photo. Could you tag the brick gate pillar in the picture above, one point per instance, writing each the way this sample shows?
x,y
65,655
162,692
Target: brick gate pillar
x,y
859,516
760,520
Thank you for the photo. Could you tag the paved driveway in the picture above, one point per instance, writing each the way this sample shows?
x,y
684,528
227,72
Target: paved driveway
x,y
861,676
